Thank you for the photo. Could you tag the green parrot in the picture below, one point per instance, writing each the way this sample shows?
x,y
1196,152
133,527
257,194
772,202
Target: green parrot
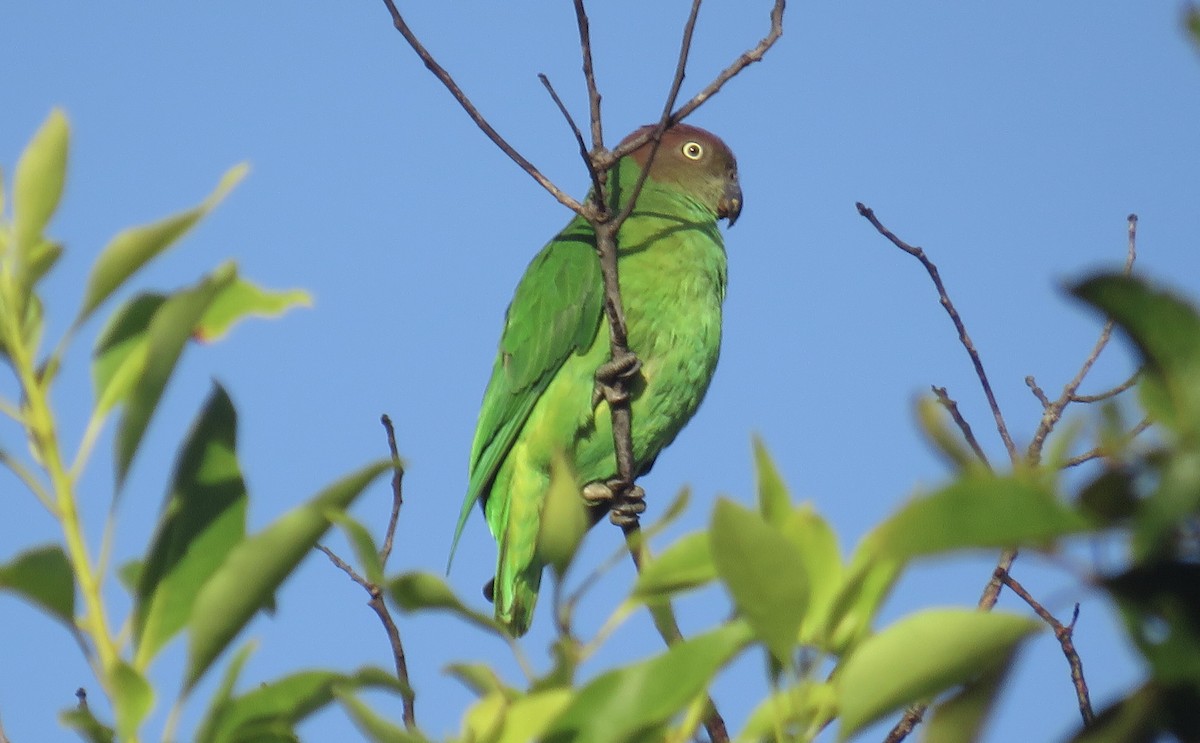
x,y
541,398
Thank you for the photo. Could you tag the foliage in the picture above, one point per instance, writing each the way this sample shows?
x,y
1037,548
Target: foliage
x,y
201,572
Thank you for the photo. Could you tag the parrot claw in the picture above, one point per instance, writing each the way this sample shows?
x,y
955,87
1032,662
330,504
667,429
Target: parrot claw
x,y
623,368
597,493
626,509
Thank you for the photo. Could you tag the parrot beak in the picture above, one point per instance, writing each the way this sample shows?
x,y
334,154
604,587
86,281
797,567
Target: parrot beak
x,y
730,205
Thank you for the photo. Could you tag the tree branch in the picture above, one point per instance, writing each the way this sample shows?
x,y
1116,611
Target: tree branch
x,y
441,74
951,407
1063,633
948,305
377,603
1054,411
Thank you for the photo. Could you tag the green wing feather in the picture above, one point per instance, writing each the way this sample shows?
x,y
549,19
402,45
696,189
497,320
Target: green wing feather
x,y
556,311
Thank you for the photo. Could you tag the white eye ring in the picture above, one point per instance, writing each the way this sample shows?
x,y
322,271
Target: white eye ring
x,y
692,150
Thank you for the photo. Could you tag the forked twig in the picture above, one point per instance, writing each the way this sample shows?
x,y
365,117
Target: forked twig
x,y
952,311
1054,410
1063,633
377,603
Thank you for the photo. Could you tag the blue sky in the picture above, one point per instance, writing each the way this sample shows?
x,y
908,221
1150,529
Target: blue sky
x,y
1010,142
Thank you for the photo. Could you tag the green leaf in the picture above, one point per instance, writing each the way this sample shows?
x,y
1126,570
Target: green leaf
x,y
866,583
372,725
799,712
1191,22
626,702
363,544
684,565
822,560
922,655
774,502
1166,331
960,718
479,678
564,518
530,715
255,568
764,573
935,424
82,721
240,299
204,517
43,577
135,247
277,706
40,260
419,591
169,330
1134,719
221,697
133,698
38,185
978,510
120,353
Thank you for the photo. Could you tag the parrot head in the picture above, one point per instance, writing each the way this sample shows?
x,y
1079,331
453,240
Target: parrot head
x,y
697,162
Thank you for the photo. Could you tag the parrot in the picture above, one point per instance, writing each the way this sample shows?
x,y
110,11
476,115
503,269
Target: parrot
x,y
542,401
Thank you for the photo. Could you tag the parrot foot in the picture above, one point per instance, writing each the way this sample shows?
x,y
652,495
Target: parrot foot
x,y
624,502
623,368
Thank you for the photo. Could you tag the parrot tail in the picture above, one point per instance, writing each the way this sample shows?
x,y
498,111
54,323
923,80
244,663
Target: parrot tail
x,y
515,592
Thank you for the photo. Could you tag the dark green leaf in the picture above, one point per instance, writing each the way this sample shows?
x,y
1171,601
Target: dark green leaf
x,y
978,511
169,330
1166,330
133,248
627,702
274,708
1110,498
764,573
1161,606
255,568
120,353
955,646
219,703
43,577
1134,719
203,518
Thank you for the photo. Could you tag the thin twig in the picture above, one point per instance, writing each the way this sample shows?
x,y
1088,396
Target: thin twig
x,y
440,73
583,148
951,406
948,305
589,78
377,603
1063,633
397,490
1128,383
745,60
1054,412
1100,451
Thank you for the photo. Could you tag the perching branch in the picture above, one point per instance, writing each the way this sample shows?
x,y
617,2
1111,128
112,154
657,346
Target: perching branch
x,y
1063,634
377,603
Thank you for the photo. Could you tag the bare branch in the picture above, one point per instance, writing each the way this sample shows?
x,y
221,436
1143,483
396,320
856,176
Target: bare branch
x,y
1100,452
1038,392
583,148
745,60
397,490
963,337
1063,633
1055,410
377,603
441,74
589,77
951,406
1128,383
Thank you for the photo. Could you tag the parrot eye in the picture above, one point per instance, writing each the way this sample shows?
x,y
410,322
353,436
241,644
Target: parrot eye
x,y
693,150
